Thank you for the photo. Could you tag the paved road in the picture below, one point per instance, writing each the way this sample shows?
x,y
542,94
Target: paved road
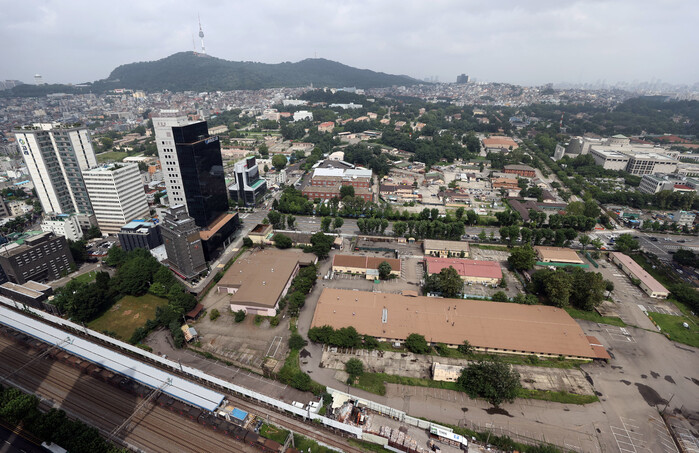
x,y
11,442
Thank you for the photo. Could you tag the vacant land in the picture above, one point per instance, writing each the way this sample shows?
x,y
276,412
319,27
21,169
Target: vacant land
x,y
86,278
675,330
112,156
128,314
595,317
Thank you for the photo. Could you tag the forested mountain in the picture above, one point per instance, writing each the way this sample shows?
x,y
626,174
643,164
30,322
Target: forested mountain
x,y
188,71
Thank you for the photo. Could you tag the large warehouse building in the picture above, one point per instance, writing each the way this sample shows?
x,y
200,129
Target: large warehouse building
x,y
471,271
648,284
258,282
365,265
557,255
503,328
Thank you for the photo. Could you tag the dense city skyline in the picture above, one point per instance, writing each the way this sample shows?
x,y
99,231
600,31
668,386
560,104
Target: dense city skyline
x,y
544,41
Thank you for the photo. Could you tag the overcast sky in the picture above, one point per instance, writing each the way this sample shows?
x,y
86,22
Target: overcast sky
x,y
520,41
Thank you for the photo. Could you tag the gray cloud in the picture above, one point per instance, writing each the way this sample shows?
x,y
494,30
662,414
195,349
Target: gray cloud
x,y
529,42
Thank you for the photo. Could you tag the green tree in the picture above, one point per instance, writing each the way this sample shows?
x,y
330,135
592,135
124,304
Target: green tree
x,y
494,381
354,368
321,245
686,257
239,316
584,240
450,283
587,289
115,256
78,250
522,258
465,348
384,270
282,241
482,236
214,315
247,242
500,296
337,223
297,342
625,243
346,191
263,150
417,344
325,224
279,161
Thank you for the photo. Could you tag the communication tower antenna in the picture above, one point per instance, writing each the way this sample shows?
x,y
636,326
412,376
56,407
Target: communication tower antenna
x,y
201,35
194,44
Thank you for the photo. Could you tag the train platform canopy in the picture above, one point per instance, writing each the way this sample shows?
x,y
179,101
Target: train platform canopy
x,y
178,388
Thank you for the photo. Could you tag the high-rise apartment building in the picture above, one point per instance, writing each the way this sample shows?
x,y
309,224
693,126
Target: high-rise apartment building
x,y
192,166
169,162
56,155
185,251
117,195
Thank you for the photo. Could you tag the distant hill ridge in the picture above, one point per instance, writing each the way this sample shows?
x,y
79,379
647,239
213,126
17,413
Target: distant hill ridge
x,y
189,71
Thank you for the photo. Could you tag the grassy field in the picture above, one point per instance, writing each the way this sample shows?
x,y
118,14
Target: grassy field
x,y
366,446
500,248
557,397
86,278
595,317
112,156
274,432
305,444
128,314
672,326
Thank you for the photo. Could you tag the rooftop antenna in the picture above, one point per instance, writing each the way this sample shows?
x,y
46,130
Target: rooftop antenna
x,y
201,35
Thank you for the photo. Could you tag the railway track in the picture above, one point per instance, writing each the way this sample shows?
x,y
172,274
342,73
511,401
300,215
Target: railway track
x,y
284,420
106,407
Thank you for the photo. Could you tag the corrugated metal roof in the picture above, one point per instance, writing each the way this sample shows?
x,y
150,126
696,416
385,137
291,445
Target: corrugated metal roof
x,y
179,388
514,327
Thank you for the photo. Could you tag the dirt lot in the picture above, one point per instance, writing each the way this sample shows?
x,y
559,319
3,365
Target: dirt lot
x,y
413,365
245,344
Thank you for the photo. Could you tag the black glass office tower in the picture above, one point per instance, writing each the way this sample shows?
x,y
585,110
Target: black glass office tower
x,y
201,167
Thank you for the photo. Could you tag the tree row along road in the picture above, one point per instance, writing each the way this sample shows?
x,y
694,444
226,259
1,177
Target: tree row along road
x,y
101,405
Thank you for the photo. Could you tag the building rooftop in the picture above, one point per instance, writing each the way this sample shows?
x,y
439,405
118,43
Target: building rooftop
x,y
558,255
505,326
640,273
262,276
222,220
465,267
436,244
365,262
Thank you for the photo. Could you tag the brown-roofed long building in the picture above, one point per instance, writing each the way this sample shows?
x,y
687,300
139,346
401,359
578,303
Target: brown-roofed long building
x,y
493,327
257,283
472,271
648,284
557,255
366,265
445,249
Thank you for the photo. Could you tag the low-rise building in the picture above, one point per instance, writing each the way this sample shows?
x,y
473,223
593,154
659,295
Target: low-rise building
x,y
326,126
498,143
525,171
257,282
646,282
66,225
261,233
139,234
30,293
44,257
656,183
470,271
557,255
364,265
684,218
501,328
446,249
330,192
183,245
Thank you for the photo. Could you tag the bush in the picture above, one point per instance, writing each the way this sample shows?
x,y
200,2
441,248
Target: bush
x,y
274,322
465,348
370,342
296,341
417,344
355,368
247,242
240,316
214,314
500,296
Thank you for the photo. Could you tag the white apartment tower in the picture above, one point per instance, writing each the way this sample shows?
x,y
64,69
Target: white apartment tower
x,y
163,124
117,195
56,155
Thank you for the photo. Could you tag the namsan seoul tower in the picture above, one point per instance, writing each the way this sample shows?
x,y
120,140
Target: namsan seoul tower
x,y
201,36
